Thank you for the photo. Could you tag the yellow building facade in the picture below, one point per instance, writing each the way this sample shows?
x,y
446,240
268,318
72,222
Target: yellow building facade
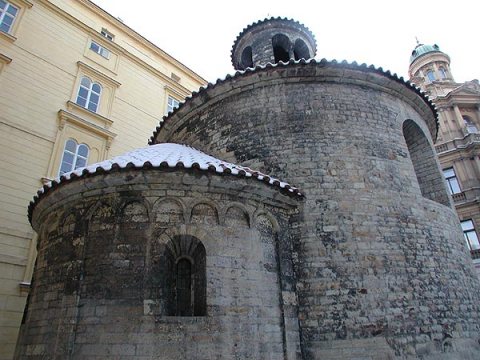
x,y
76,86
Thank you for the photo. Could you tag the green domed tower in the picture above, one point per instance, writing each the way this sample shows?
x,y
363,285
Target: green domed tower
x,y
429,65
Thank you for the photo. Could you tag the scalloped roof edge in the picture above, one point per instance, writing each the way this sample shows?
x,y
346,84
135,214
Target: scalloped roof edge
x,y
174,156
322,62
261,22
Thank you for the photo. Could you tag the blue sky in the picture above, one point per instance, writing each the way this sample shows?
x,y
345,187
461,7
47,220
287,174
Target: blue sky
x,y
200,34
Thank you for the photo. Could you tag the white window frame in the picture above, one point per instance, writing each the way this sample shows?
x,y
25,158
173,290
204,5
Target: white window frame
x,y
4,14
77,158
172,104
99,49
107,34
470,234
452,182
90,91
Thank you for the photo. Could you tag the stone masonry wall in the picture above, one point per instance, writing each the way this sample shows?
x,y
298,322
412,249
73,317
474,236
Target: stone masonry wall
x,y
382,272
98,289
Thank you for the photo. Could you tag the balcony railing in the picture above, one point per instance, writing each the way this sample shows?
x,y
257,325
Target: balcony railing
x,y
475,254
441,148
470,138
459,197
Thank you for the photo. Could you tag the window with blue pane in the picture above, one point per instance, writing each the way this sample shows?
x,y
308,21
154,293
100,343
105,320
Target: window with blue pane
x,y
74,156
443,73
172,104
99,49
431,75
470,234
89,94
452,182
8,12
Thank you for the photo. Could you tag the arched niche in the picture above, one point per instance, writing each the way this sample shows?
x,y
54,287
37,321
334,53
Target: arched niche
x,y
68,223
430,180
300,50
267,237
281,48
102,217
134,216
247,58
135,212
204,213
168,212
236,216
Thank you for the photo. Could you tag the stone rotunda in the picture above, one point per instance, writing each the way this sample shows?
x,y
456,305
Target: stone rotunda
x,y
168,252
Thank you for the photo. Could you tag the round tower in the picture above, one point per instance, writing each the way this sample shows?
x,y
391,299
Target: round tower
x,y
270,41
381,266
428,65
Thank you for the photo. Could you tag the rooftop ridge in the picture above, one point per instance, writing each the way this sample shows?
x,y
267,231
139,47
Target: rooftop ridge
x,y
313,62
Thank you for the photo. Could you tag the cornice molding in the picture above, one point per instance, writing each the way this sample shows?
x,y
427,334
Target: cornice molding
x,y
5,59
95,8
65,116
88,69
92,32
25,3
176,92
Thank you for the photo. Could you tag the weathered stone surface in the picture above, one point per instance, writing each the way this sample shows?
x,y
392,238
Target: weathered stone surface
x,y
100,281
371,264
380,255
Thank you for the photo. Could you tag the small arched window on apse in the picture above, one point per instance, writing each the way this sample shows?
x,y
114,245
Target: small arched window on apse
x,y
74,156
431,75
470,125
281,48
185,286
89,94
300,50
247,58
443,73
427,172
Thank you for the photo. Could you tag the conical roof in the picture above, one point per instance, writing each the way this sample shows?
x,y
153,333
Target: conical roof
x,y
165,155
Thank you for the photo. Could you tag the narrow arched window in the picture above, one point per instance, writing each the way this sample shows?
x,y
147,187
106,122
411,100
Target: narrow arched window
x,y
300,50
469,125
183,269
443,73
247,58
89,94
74,156
431,75
184,288
281,48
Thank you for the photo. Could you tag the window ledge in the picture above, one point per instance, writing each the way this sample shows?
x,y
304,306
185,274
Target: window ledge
x,y
25,3
87,69
180,319
102,120
8,37
24,288
5,59
101,126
